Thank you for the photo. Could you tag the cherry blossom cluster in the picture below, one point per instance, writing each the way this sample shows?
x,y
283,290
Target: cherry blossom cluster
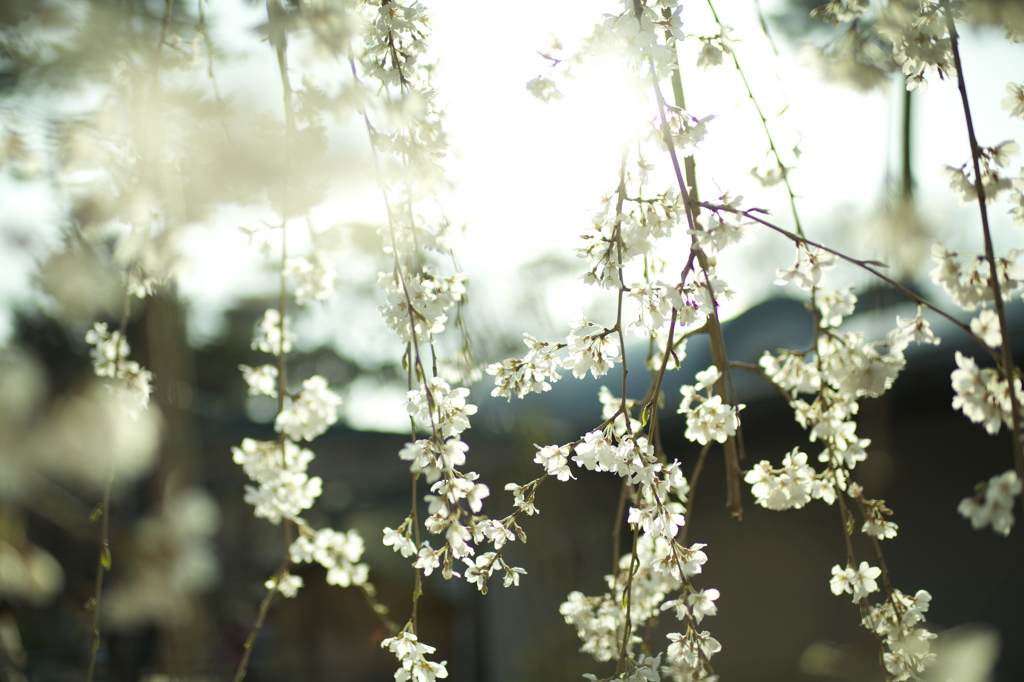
x,y
639,591
859,582
625,239
418,305
920,40
643,35
924,39
283,489
843,369
594,348
993,504
409,141
274,336
412,654
315,277
529,375
660,567
876,521
395,56
994,182
656,302
983,394
898,622
723,227
685,131
653,511
591,349
456,498
132,382
338,552
790,487
966,277
309,413
623,232
711,419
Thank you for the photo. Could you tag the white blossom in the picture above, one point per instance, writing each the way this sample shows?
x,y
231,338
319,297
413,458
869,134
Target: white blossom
x,y
898,622
288,585
982,394
555,460
965,281
417,305
131,384
445,411
310,413
993,505
915,329
411,653
860,581
712,420
1014,100
702,603
522,501
272,334
399,541
338,552
261,380
790,487
986,326
314,277
427,559
591,349
529,375
544,89
809,268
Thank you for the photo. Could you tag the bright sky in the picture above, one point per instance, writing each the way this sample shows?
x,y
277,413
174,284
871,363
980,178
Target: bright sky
x,y
528,176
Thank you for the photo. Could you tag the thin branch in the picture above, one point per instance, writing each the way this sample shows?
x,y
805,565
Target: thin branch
x,y
620,514
1008,368
261,616
104,559
620,198
102,566
764,119
870,266
718,352
278,40
627,631
846,518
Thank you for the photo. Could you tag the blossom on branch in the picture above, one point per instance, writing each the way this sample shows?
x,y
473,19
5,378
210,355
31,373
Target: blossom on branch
x,y
993,504
309,414
591,349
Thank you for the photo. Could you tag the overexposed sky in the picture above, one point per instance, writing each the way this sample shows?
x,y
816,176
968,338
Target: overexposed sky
x,y
527,176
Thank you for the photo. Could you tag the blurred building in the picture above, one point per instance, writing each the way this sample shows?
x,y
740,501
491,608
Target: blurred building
x,y
777,618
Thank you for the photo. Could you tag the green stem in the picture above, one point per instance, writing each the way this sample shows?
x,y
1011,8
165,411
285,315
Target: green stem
x,y
102,566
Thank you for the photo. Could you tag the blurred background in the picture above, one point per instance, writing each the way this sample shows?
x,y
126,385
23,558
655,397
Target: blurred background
x,y
188,557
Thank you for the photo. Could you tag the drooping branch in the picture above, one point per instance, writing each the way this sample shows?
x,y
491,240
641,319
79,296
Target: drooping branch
x,y
1005,361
